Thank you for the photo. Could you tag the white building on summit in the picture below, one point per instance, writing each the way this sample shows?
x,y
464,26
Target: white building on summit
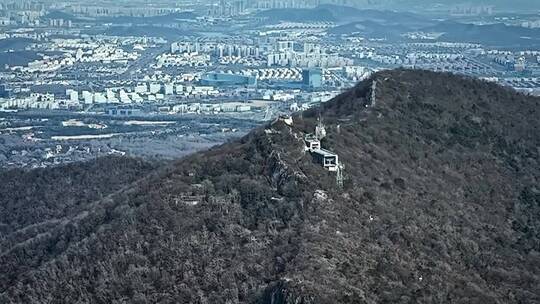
x,y
312,143
328,159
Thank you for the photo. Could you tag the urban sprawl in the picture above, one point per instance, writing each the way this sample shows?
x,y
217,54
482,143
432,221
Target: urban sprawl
x,y
217,59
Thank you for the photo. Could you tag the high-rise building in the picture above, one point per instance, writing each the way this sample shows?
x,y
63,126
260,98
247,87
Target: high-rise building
x,y
285,46
220,51
312,78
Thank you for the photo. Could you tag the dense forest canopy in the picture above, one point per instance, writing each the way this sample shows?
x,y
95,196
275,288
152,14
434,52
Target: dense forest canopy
x,y
440,204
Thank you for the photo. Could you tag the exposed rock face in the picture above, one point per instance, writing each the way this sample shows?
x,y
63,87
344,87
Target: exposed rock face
x,y
440,204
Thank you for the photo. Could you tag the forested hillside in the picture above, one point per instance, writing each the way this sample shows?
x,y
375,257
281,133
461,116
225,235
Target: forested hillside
x,y
441,204
36,206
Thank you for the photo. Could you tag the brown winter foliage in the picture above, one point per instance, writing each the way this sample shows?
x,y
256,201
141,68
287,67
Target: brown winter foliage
x,y
441,204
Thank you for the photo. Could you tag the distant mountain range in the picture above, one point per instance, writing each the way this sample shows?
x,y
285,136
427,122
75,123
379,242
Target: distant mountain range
x,y
298,15
392,24
491,34
371,29
440,204
418,5
344,14
163,19
371,23
351,14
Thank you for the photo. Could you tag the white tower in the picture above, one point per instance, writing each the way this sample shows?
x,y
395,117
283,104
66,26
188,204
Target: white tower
x,y
320,130
339,175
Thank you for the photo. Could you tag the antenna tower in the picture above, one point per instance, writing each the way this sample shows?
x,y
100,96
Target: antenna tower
x,y
320,129
373,93
339,176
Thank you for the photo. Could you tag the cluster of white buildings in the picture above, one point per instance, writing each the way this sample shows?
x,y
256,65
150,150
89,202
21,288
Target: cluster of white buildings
x,y
34,101
501,56
526,85
288,74
201,53
106,54
309,58
191,59
228,107
240,51
301,25
145,92
142,93
47,64
74,51
357,72
472,10
218,49
387,59
280,95
414,58
244,61
422,35
443,44
26,34
93,9
272,51
272,4
74,44
60,23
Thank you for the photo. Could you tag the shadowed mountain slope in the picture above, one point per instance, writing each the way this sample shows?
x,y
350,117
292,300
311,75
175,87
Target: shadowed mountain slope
x,y
440,204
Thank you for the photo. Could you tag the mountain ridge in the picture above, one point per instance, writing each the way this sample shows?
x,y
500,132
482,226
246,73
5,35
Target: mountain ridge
x,y
259,221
